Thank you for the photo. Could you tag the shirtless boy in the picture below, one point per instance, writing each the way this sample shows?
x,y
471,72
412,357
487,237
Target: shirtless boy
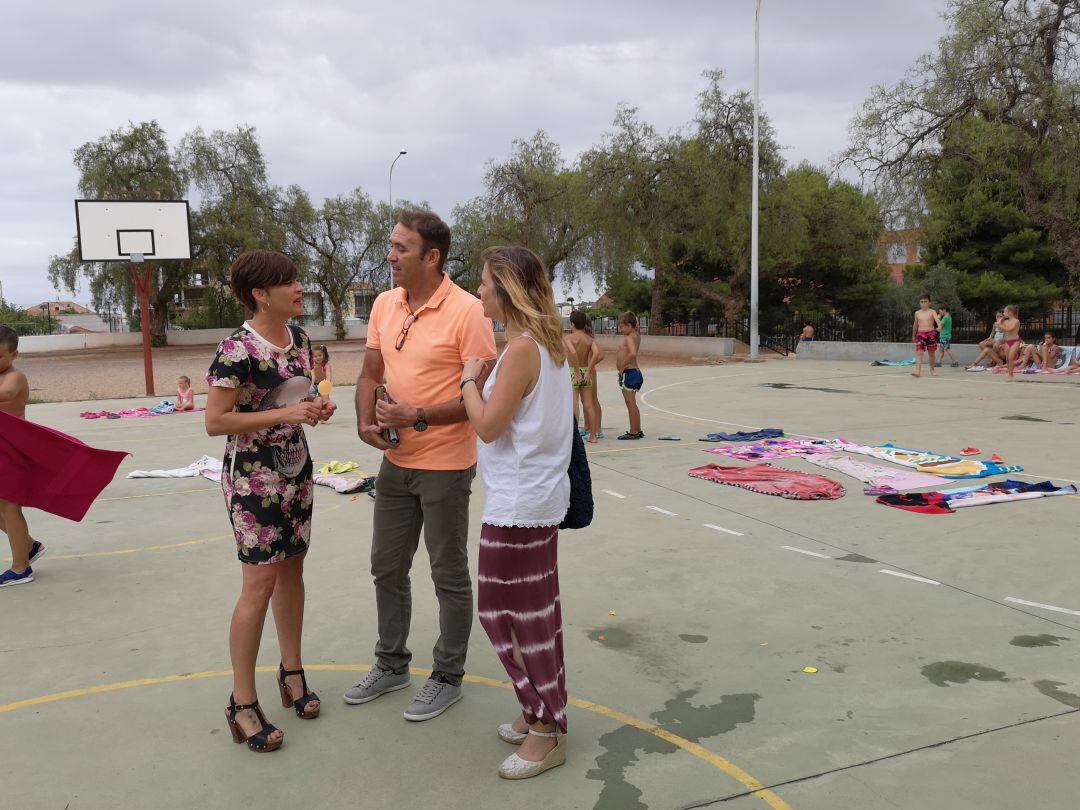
x,y
583,354
924,332
1010,337
630,379
14,391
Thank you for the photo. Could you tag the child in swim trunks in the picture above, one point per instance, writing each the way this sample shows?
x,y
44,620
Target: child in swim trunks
x,y
1010,336
583,354
924,333
630,379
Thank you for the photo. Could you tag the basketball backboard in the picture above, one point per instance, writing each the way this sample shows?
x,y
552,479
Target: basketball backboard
x,y
116,230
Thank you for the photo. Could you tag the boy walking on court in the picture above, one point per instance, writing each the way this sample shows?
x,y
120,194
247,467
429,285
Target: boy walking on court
x,y
630,379
14,391
945,338
924,332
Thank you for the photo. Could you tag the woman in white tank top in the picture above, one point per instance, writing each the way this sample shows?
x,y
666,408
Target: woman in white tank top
x,y
524,418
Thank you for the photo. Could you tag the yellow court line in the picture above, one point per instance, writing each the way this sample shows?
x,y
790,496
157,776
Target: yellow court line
x,y
157,494
694,749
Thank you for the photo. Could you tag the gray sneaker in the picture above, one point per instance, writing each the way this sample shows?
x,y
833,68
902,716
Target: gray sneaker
x,y
377,682
435,698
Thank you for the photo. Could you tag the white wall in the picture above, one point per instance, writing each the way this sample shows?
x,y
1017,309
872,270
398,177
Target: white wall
x,y
49,344
667,346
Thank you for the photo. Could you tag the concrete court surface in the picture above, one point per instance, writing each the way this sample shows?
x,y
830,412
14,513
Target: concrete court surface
x,y
685,642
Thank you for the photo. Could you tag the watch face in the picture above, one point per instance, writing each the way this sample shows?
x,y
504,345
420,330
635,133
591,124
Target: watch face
x,y
420,427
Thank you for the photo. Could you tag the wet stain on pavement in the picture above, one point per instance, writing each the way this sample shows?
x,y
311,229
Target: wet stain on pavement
x,y
1043,640
786,386
856,558
624,746
1024,418
1050,689
689,638
614,637
942,673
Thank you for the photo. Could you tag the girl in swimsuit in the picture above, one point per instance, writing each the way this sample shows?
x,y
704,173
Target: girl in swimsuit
x,y
1010,336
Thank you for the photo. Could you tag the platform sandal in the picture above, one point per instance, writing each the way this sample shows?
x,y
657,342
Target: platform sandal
x,y
260,741
299,704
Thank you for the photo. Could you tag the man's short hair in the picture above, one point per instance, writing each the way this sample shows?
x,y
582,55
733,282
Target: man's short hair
x,y
9,338
628,318
434,233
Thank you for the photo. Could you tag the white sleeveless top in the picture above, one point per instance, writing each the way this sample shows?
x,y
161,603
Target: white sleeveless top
x,y
524,470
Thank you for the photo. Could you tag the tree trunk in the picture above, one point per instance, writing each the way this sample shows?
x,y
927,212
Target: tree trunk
x,y
339,320
159,320
656,314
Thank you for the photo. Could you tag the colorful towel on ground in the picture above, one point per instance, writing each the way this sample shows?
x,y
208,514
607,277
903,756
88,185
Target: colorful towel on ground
x,y
769,480
910,362
137,413
207,467
776,448
744,435
897,455
344,484
967,468
875,475
49,470
948,500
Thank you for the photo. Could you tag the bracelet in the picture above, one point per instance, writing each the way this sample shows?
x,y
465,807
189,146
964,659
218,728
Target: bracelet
x,y
465,382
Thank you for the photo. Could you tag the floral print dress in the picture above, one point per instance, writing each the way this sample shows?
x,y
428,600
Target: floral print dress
x,y
267,475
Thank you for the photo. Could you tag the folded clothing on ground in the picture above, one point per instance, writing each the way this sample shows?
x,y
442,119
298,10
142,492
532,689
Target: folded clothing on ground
x,y
338,467
769,480
948,500
744,435
345,485
776,448
207,467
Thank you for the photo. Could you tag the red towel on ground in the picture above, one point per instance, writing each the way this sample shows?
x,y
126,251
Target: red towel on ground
x,y
769,480
49,470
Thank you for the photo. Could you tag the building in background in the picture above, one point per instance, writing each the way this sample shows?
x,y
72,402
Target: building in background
x,y
900,248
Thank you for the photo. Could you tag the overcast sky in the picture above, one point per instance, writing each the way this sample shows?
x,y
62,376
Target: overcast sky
x,y
336,88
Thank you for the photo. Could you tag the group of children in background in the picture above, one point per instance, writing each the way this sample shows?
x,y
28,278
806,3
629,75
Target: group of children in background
x,y
584,354
931,332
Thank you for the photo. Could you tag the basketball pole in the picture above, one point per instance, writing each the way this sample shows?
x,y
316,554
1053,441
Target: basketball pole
x,y
141,277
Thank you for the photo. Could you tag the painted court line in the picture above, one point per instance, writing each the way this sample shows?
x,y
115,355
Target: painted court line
x,y
807,553
911,577
613,494
662,511
1054,608
752,784
722,529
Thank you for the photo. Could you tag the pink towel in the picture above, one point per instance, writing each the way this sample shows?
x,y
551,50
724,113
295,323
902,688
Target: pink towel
x,y
49,470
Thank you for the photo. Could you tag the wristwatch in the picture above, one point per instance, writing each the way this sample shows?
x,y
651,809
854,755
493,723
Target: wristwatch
x,y
420,425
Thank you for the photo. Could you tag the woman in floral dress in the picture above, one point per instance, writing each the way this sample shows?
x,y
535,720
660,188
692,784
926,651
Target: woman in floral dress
x,y
259,383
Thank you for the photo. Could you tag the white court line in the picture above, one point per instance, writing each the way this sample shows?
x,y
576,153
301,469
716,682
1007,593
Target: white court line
x,y
909,576
722,529
1044,607
613,494
662,511
807,553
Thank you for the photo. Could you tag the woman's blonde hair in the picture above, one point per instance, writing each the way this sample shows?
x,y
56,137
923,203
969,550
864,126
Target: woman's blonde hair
x,y
524,293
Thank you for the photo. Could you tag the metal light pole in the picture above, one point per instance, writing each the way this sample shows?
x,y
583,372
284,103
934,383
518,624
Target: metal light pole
x,y
391,183
754,338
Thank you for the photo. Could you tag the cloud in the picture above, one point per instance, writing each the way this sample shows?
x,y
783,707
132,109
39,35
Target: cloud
x,y
335,88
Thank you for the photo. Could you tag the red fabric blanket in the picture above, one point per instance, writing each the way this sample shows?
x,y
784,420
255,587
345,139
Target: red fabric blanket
x,y
49,470
769,480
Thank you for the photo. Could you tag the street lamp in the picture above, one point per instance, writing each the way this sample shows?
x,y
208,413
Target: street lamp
x,y
391,183
754,337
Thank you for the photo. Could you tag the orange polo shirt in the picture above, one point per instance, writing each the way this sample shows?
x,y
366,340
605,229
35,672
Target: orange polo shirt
x,y
426,371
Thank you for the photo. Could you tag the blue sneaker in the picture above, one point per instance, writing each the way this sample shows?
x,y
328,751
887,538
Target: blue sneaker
x,y
9,577
37,551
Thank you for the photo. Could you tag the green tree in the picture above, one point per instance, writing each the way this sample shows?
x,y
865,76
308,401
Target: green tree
x,y
1010,65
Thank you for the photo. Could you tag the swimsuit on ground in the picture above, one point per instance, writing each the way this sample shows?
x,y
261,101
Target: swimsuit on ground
x,y
579,377
926,341
630,379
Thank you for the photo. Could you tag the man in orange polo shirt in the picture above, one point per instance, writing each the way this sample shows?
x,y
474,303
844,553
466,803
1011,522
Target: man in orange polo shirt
x,y
419,336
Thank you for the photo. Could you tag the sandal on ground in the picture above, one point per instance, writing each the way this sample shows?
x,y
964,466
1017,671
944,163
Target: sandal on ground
x,y
260,741
514,767
299,704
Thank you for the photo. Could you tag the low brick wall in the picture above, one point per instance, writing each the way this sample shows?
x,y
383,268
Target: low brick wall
x,y
836,350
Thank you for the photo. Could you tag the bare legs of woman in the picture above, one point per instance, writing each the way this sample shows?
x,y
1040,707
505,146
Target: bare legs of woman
x,y
282,585
534,748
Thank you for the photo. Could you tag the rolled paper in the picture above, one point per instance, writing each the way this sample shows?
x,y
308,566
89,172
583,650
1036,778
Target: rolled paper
x,y
325,387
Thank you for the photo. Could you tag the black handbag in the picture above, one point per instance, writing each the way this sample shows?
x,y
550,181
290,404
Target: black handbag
x,y
580,512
